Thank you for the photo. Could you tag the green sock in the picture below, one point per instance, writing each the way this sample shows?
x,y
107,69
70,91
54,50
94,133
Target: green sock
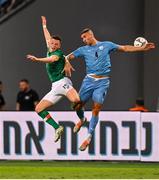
x,y
80,113
46,116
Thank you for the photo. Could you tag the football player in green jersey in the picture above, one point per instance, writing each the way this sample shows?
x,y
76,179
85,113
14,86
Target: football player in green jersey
x,y
61,85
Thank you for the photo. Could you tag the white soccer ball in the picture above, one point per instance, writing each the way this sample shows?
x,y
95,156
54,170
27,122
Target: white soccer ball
x,y
140,41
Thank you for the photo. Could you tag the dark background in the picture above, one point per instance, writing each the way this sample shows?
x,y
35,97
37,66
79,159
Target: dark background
x,y
133,74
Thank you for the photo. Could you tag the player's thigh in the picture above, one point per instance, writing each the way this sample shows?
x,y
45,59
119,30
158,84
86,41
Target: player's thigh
x,y
64,86
43,104
52,97
86,90
100,91
58,91
72,95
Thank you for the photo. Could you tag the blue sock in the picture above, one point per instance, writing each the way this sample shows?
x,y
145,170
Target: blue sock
x,y
80,114
92,124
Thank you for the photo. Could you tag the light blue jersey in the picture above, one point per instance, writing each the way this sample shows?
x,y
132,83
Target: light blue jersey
x,y
97,57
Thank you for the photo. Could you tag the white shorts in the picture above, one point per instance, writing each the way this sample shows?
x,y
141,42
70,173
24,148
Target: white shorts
x,y
58,90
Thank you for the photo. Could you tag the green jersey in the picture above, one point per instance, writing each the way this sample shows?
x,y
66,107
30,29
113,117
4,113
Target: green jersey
x,y
54,69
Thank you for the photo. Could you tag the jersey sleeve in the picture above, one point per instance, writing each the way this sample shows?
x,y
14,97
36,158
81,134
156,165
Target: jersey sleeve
x,y
57,53
78,53
112,46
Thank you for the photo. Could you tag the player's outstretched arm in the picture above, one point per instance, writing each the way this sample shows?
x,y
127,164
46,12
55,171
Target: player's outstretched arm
x,y
68,67
129,48
50,59
46,32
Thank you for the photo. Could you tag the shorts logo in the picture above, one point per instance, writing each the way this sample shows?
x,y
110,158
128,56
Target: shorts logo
x,y
101,47
66,86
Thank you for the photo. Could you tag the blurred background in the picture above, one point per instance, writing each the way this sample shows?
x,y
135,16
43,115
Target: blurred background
x,y
133,74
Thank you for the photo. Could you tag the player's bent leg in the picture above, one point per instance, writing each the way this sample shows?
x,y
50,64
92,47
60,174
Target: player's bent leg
x,y
85,94
73,96
79,124
93,122
43,104
40,109
80,113
98,97
94,119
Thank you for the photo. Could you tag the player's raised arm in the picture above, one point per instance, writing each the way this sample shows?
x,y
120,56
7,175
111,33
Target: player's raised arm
x,y
129,48
46,32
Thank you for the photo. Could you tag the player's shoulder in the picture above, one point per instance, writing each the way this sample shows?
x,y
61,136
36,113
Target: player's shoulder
x,y
85,48
20,94
107,42
110,44
58,52
82,47
32,91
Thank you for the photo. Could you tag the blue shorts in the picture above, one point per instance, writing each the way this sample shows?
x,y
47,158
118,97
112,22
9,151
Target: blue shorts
x,y
95,89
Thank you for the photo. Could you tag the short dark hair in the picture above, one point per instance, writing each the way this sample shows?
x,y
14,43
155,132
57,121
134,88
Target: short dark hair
x,y
0,82
24,80
57,37
85,30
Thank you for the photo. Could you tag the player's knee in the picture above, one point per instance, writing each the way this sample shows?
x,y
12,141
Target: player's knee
x,y
76,101
77,105
96,110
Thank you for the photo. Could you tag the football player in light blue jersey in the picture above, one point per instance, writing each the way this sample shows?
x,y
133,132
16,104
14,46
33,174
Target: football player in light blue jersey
x,y
96,83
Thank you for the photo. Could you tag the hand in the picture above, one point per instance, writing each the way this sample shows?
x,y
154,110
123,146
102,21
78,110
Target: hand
x,y
32,58
43,18
149,46
68,69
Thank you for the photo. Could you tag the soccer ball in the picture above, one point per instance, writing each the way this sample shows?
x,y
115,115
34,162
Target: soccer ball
x,y
140,41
